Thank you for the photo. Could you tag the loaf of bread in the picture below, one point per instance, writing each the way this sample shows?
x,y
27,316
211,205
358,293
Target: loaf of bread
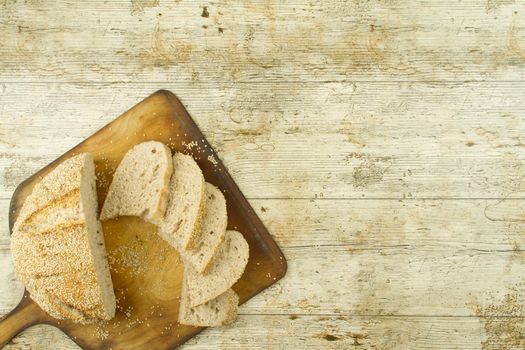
x,y
140,184
227,267
182,222
58,245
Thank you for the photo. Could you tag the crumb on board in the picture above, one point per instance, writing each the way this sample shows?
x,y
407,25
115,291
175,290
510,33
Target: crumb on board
x,y
129,256
189,145
101,331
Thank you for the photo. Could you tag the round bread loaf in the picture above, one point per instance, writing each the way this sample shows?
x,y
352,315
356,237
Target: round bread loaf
x,y
58,245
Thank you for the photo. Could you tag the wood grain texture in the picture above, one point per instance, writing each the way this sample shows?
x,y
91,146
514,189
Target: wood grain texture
x,y
384,282
339,121
262,40
489,225
371,140
315,332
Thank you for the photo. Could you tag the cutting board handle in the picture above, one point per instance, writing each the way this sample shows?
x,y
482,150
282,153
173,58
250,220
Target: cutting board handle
x,y
25,314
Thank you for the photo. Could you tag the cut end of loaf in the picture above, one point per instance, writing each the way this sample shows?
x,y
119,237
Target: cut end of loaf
x,y
89,204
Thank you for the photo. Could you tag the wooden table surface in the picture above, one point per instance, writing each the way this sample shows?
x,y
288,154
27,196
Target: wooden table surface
x,y
381,142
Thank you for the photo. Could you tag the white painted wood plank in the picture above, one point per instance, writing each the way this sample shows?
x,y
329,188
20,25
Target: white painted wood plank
x,y
341,251
11,289
261,41
333,140
406,281
403,281
4,222
42,337
488,225
375,224
312,332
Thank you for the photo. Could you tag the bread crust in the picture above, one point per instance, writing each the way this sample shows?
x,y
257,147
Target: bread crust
x,y
157,215
215,219
51,248
228,266
194,238
218,312
182,221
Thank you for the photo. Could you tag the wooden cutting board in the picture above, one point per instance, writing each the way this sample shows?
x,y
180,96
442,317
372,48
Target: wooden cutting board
x,y
146,272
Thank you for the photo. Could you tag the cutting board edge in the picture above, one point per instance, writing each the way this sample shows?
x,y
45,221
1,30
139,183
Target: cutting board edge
x,y
278,259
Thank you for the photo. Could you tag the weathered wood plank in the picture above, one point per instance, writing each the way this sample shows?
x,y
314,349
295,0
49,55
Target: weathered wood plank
x,y
314,332
333,140
415,252
483,225
376,224
42,337
4,222
261,41
392,281
11,289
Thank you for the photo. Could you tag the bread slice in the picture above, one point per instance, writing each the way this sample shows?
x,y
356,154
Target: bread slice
x,y
182,221
58,245
217,312
227,267
140,183
212,231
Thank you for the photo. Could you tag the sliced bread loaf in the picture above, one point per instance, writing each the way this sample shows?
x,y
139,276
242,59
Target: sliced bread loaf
x,y
140,183
58,245
227,267
217,312
182,222
212,231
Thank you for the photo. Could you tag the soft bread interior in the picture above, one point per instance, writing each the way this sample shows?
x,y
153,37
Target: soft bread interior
x,y
227,267
219,311
182,222
89,204
140,184
212,231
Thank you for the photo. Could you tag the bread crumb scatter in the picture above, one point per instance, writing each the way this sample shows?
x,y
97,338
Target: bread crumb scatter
x,y
212,160
100,330
189,145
